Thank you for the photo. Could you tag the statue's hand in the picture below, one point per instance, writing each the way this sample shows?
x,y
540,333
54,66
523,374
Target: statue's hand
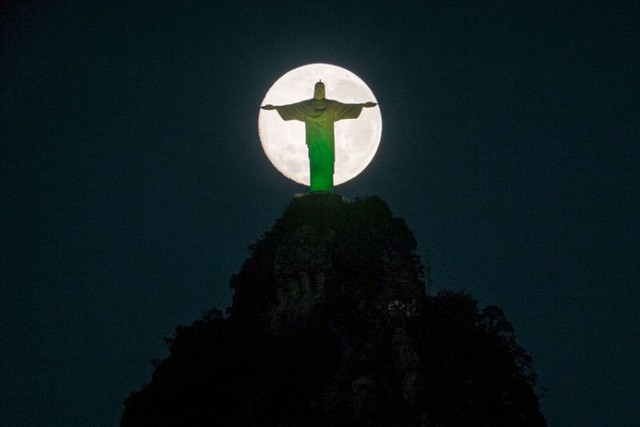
x,y
369,104
268,107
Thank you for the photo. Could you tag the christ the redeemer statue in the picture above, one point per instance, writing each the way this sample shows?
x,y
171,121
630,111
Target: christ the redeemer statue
x,y
319,114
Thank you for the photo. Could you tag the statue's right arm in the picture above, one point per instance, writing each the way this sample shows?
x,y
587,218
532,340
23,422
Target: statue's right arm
x,y
290,111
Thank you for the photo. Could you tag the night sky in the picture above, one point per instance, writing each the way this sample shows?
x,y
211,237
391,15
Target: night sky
x,y
132,179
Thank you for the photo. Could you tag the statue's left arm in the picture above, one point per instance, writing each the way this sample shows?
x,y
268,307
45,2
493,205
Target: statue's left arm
x,y
349,111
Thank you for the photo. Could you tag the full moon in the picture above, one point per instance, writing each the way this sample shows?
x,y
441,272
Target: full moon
x,y
356,140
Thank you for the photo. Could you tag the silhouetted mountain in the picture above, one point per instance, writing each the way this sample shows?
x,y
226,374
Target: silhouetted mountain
x,y
330,326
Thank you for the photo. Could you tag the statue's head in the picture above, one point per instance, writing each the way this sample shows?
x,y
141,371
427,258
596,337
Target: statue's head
x,y
318,91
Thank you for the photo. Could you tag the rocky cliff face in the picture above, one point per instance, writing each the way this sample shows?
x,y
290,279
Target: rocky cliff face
x,y
325,253
330,326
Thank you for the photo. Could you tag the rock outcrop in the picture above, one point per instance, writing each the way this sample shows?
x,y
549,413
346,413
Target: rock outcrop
x,y
330,326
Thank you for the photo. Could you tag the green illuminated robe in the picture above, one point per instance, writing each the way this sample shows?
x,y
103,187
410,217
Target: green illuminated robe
x,y
319,117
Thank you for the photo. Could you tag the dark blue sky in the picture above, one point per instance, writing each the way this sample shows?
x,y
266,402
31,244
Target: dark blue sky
x,y
132,179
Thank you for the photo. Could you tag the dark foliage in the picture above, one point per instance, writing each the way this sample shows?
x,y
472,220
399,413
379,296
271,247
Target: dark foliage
x,y
330,326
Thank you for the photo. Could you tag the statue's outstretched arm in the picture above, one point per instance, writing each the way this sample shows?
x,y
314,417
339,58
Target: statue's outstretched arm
x,y
297,111
369,104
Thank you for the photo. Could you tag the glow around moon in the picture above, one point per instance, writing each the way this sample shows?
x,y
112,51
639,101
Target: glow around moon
x,y
356,140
